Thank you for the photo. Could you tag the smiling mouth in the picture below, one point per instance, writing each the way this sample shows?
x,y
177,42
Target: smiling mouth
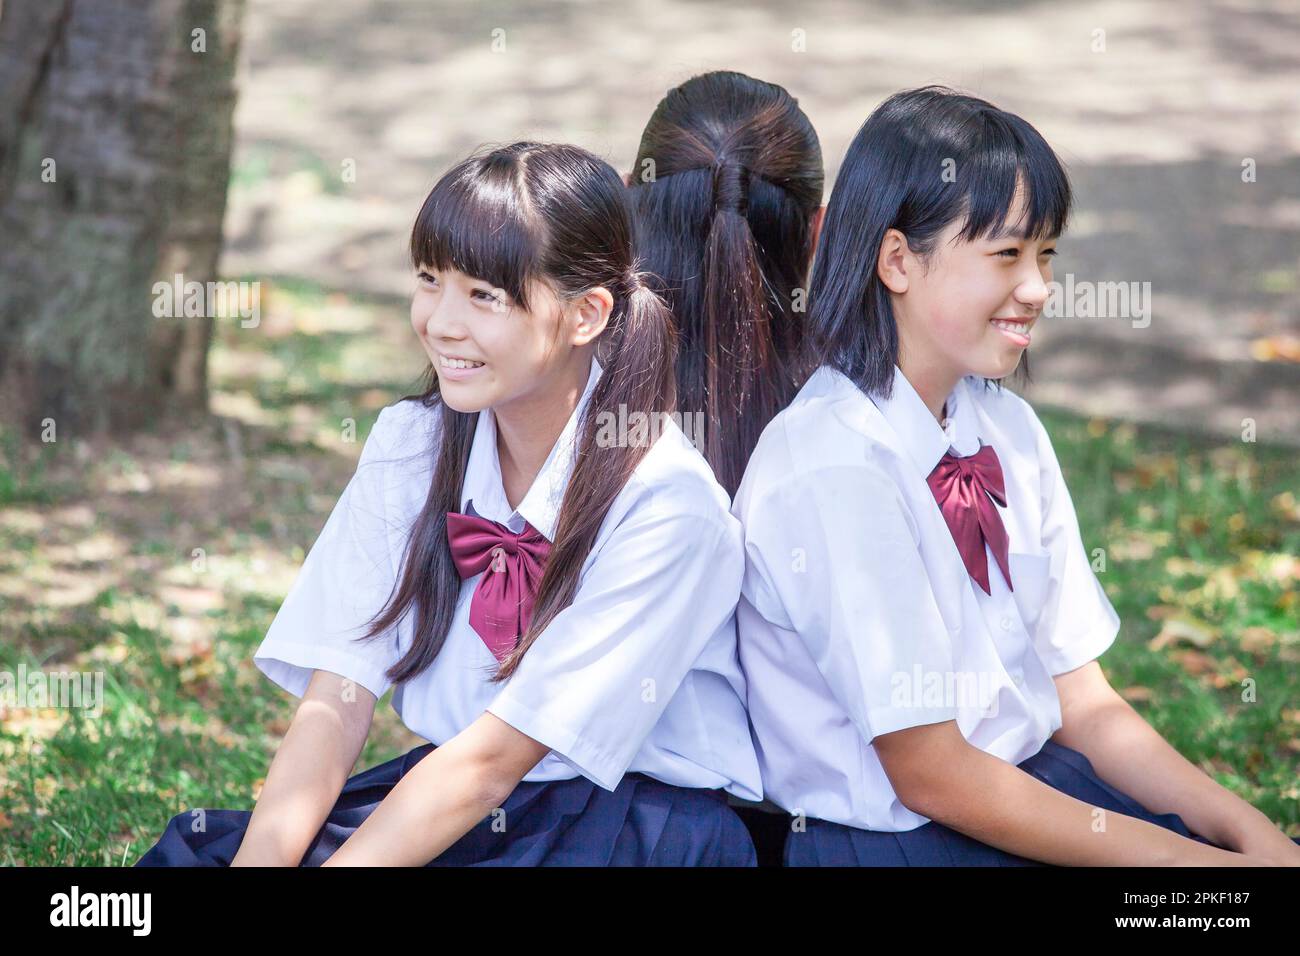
x,y
446,362
1015,329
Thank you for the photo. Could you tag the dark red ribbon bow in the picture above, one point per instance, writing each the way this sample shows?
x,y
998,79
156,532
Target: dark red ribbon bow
x,y
966,489
502,604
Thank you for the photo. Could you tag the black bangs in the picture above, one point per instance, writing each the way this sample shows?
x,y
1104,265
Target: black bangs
x,y
1003,151
558,215
924,159
477,220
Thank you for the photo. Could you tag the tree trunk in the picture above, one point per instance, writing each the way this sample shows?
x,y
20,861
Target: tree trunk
x,y
115,137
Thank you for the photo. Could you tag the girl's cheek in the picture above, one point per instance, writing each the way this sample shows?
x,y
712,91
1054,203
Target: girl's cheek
x,y
417,311
956,322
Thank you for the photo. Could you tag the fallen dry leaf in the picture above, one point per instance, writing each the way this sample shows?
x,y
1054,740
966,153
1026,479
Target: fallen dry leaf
x,y
1194,662
1183,629
1276,348
1137,693
1256,640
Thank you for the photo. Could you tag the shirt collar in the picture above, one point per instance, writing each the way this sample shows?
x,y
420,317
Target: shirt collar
x,y
540,507
921,436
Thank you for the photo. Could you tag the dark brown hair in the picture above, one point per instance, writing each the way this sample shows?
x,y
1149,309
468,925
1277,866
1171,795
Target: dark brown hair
x,y
509,216
728,178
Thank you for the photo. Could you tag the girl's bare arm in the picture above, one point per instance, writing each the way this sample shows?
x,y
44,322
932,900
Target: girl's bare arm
x,y
1130,755
938,774
308,771
443,796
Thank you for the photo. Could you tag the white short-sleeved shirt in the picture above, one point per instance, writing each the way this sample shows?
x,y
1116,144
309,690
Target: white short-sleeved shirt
x,y
639,673
857,616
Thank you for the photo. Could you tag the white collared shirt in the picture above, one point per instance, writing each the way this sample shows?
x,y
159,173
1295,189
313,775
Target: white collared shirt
x,y
857,615
639,673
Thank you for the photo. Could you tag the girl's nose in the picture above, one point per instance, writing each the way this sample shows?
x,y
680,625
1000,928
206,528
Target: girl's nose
x,y
1033,291
443,320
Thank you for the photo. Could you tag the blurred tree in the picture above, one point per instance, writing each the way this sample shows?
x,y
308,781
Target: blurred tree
x,y
115,137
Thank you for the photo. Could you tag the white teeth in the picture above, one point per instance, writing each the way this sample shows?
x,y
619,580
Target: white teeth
x,y
1020,328
457,363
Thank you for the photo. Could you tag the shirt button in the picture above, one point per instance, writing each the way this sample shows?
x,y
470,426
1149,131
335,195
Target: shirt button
x,y
1006,624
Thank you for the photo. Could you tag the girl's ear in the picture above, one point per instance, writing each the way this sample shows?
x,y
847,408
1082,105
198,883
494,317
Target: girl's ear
x,y
592,315
891,264
817,219
627,178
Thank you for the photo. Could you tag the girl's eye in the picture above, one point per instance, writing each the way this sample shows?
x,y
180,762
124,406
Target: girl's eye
x,y
488,296
424,276
1009,252
1048,252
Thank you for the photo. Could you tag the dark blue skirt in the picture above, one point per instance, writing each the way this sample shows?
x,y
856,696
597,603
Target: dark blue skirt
x,y
643,822
933,844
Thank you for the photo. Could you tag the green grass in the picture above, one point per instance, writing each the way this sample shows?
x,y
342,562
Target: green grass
x,y
1202,532
1205,534
182,729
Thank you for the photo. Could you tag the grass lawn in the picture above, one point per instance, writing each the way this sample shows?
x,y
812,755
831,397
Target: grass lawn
x,y
160,564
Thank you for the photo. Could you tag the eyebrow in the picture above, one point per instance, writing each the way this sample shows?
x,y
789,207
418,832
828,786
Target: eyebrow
x,y
1019,233
1006,233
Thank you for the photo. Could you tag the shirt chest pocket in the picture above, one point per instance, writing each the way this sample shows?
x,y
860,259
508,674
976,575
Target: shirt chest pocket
x,y
1031,574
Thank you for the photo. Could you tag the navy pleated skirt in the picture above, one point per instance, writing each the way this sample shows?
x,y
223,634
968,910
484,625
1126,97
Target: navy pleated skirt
x,y
643,822
933,844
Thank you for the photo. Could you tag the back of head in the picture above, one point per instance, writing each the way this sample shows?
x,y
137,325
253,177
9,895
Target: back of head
x,y
728,179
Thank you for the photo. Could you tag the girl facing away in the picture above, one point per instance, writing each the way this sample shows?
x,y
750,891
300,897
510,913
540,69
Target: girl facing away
x,y
919,623
727,186
555,612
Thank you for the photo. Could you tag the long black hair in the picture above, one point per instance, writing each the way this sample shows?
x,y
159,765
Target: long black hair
x,y
893,177
559,215
728,179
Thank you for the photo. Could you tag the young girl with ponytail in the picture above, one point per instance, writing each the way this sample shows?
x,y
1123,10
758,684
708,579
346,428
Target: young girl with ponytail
x,y
555,611
728,188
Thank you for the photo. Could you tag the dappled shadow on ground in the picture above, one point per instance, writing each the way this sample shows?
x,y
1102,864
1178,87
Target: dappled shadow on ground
x,y
192,533
348,112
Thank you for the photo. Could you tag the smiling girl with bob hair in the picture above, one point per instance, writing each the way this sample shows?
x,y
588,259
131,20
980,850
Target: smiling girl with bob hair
x,y
920,624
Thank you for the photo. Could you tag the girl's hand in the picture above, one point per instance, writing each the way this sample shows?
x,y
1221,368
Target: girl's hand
x,y
1272,844
1283,855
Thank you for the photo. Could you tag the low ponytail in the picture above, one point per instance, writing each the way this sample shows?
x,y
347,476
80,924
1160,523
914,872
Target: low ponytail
x,y
727,223
743,375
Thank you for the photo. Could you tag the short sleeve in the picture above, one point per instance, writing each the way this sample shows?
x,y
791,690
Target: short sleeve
x,y
832,556
348,576
1077,622
596,681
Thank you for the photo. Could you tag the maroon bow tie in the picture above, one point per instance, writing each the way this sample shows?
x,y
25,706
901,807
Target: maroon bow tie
x,y
502,604
966,489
